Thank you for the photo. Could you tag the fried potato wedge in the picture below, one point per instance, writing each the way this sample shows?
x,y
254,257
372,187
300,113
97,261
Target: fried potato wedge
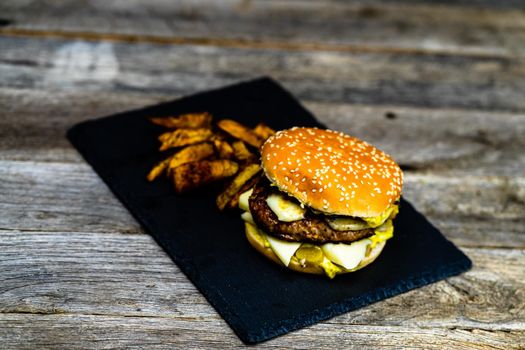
x,y
185,121
242,153
234,202
223,149
196,174
263,131
234,188
240,132
158,169
189,154
183,137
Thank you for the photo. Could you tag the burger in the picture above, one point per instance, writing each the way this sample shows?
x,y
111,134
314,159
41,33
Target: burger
x,y
325,204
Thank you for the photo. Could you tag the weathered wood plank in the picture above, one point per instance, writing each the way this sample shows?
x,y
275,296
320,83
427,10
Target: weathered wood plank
x,y
33,123
129,275
471,142
367,78
63,254
444,140
35,197
473,211
326,25
22,331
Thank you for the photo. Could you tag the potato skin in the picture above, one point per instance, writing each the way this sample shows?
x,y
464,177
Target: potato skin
x,y
196,174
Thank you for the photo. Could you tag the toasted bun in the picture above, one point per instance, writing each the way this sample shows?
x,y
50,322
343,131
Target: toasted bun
x,y
332,172
256,241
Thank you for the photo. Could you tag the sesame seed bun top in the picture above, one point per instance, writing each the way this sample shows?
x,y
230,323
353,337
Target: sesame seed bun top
x,y
332,172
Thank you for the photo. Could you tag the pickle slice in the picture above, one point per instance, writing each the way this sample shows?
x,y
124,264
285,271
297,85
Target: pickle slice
x,y
346,223
310,253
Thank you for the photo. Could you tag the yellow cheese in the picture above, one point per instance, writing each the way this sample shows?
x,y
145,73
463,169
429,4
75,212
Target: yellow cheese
x,y
330,268
243,200
382,233
346,255
376,221
284,209
283,249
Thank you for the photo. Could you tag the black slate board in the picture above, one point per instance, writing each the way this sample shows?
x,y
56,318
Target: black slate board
x,y
258,299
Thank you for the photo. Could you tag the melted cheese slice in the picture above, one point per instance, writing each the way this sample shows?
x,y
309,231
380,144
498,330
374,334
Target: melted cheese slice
x,y
284,209
346,255
330,268
283,249
380,219
382,233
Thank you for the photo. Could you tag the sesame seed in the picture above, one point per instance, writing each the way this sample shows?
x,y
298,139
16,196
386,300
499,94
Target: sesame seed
x,y
332,159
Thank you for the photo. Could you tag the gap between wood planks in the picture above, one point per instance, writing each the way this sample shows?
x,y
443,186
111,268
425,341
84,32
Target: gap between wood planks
x,y
58,313
237,43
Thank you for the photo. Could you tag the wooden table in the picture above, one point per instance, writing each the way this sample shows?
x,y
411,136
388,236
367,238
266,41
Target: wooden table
x,y
440,87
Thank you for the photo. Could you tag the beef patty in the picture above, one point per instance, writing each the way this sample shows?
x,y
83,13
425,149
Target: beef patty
x,y
313,228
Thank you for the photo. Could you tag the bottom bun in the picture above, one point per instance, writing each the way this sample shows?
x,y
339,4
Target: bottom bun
x,y
257,241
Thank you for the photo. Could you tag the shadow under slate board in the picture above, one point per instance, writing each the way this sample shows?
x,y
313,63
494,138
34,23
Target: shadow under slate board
x,y
258,299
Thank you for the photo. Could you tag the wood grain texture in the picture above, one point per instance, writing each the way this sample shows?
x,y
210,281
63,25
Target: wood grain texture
x,y
295,25
421,139
47,196
438,81
22,331
438,84
129,283
474,211
34,122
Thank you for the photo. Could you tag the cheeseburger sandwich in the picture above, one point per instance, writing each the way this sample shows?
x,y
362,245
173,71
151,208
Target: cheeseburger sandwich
x,y
325,204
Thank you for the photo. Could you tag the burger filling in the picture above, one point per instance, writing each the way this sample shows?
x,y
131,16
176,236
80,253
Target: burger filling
x,y
313,227
336,243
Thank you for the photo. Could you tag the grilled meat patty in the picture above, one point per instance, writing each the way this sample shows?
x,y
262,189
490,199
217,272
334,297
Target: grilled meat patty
x,y
313,228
